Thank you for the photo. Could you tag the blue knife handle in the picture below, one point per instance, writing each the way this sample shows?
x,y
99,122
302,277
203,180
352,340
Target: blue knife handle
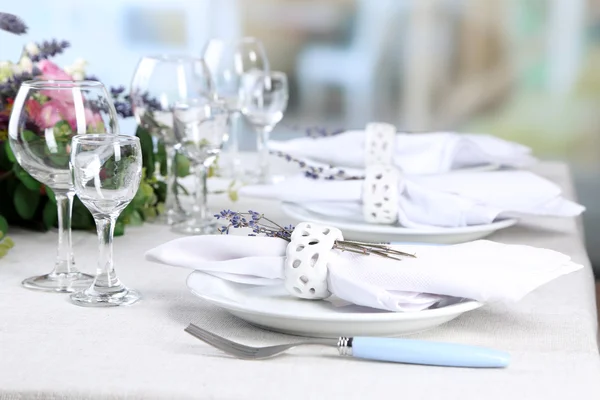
x,y
429,353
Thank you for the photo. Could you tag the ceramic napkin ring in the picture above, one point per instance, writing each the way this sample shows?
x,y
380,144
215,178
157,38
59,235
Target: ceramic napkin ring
x,y
380,143
380,194
306,260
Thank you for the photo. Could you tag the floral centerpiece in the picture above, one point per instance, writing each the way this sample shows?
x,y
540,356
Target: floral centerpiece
x,y
23,200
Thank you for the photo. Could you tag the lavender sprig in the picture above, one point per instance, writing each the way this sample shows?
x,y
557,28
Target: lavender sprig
x,y
255,221
316,131
48,49
319,172
12,24
263,225
9,87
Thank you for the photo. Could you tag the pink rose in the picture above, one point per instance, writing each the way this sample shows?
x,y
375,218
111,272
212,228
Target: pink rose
x,y
51,71
54,111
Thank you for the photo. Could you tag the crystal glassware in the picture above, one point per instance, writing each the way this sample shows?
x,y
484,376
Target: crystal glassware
x,y
45,116
228,61
201,130
158,84
263,101
107,170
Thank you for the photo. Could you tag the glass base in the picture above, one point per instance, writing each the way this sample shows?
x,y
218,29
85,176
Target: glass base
x,y
196,227
59,283
116,296
170,217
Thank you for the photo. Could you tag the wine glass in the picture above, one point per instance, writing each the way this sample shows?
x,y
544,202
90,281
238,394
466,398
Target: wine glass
x,y
158,84
263,101
46,115
228,61
201,129
107,170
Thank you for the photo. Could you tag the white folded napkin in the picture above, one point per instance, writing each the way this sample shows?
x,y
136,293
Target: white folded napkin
x,y
416,153
448,200
482,270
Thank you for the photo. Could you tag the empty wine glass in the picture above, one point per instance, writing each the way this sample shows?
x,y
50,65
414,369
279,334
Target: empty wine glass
x,y
106,171
45,116
201,129
263,101
158,84
228,61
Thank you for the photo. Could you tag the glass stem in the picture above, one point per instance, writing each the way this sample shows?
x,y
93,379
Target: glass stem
x,y
171,201
64,256
105,273
263,152
234,122
200,207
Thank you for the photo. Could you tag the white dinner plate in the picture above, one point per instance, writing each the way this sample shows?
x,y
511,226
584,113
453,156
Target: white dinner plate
x,y
271,307
354,230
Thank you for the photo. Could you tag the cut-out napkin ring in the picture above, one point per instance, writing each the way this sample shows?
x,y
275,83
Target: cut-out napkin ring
x,y
380,194
306,259
380,140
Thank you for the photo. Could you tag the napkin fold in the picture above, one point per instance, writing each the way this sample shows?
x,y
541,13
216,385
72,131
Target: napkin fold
x,y
481,270
415,153
448,200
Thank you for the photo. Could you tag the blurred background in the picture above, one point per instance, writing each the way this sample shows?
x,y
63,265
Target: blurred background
x,y
525,70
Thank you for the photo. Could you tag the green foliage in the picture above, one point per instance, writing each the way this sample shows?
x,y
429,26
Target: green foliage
x,y
33,205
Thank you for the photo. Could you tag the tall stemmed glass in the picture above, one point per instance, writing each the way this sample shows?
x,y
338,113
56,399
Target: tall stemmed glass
x,y
229,61
45,117
158,84
106,171
264,100
201,129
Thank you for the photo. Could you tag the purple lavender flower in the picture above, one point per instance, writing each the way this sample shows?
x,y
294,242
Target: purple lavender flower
x,y
313,172
13,24
48,49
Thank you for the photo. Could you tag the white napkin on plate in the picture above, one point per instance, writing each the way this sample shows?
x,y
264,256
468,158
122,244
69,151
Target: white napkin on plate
x,y
416,153
448,200
482,270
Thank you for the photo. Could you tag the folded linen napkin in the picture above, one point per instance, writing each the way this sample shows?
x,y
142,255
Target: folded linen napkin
x,y
481,270
448,200
415,153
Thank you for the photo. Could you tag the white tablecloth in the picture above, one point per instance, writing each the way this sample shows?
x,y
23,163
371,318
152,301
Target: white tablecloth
x,y
50,348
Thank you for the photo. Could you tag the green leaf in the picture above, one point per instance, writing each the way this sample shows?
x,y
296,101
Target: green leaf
x,y
50,215
81,219
182,166
51,195
29,136
26,201
161,158
3,226
9,152
119,228
62,129
161,191
147,145
25,178
136,219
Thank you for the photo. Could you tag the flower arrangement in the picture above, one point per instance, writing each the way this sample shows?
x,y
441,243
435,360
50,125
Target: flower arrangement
x,y
259,224
26,202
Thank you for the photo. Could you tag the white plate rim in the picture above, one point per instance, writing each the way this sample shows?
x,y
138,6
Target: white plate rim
x,y
379,316
296,211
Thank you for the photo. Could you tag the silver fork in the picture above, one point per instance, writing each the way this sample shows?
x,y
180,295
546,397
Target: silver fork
x,y
248,352
371,348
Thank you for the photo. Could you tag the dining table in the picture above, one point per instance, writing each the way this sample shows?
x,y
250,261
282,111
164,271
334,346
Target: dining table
x,y
53,349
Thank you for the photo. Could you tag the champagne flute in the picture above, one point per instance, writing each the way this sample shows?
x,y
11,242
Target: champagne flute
x,y
46,115
106,173
264,100
201,129
158,84
228,61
